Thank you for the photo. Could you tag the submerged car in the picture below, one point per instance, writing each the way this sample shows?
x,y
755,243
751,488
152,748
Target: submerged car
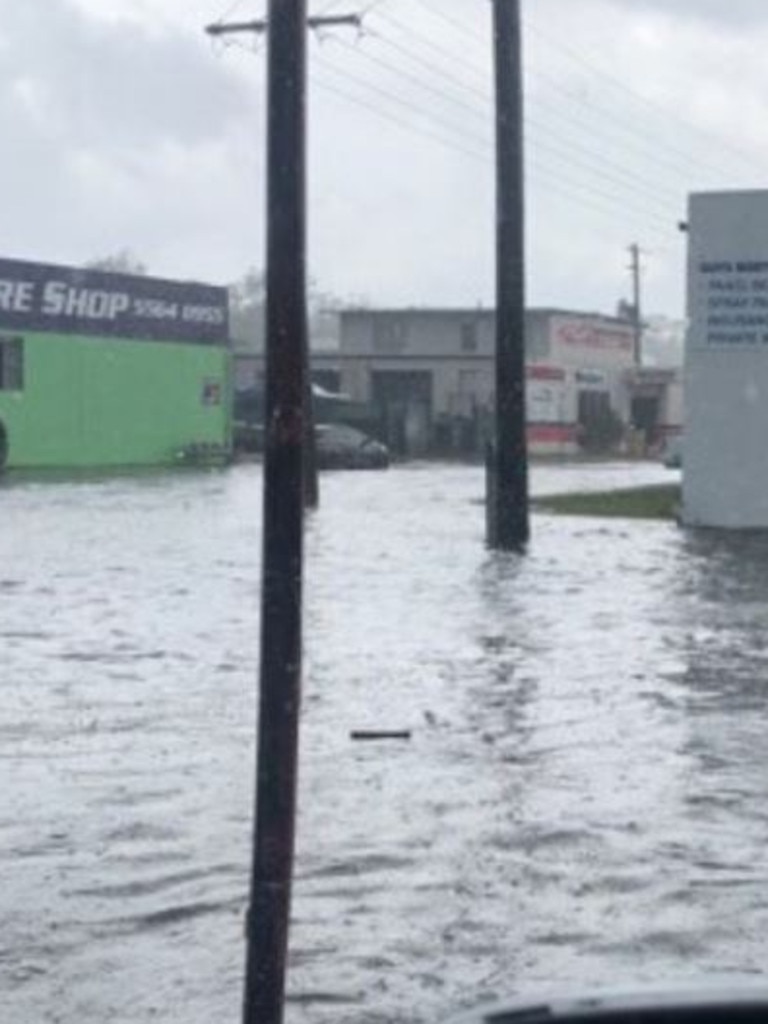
x,y
338,446
342,447
673,453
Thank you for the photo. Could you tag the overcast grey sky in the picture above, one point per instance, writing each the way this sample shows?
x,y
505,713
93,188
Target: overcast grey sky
x,y
124,126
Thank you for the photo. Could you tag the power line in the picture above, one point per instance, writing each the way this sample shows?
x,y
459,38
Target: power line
x,y
413,78
457,83
367,9
625,181
678,160
578,58
463,139
230,10
455,23
407,104
626,178
607,205
373,6
478,71
619,201
600,202
401,121
575,152
423,63
329,7
466,30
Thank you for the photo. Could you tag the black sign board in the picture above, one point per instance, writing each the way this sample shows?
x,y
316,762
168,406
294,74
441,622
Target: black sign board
x,y
69,300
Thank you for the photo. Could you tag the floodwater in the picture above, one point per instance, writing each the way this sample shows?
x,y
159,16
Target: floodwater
x,y
583,799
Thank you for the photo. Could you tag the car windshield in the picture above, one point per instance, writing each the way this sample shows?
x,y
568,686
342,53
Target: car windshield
x,y
384,488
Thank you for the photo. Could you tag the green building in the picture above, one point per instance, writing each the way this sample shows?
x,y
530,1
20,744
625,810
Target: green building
x,y
105,370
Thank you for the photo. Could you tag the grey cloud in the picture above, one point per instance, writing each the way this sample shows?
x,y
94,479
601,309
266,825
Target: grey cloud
x,y
734,12
101,83
112,133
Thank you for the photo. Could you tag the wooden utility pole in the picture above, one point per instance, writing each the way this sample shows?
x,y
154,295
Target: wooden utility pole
x,y
283,531
508,519
261,26
285,491
637,315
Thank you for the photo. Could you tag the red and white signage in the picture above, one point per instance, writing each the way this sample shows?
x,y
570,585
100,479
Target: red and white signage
x,y
578,335
543,371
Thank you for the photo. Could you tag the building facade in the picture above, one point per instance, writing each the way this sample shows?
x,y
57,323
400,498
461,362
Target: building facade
x,y
430,373
100,369
725,456
427,375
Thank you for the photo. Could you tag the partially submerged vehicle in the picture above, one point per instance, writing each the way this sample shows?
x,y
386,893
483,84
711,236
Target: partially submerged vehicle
x,y
673,452
342,447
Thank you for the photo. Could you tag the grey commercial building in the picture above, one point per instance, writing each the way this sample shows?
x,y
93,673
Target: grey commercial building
x,y
427,375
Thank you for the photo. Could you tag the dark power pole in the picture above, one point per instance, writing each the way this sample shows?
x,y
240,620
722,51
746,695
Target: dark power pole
x,y
283,532
637,315
260,26
284,497
509,527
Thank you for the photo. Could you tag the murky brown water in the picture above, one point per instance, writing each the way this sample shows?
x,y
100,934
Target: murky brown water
x,y
583,799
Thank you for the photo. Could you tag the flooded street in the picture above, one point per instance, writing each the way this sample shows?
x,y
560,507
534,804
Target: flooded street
x,y
583,799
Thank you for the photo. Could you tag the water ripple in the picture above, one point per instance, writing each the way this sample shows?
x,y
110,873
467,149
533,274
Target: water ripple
x,y
583,797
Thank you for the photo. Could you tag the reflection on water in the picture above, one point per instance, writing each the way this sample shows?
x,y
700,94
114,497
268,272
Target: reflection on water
x,y
583,798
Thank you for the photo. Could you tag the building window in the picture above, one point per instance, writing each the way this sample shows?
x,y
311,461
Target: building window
x,y
11,364
390,335
469,337
211,392
329,380
593,406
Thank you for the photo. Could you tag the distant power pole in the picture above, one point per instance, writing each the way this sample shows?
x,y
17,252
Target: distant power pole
x,y
637,315
508,517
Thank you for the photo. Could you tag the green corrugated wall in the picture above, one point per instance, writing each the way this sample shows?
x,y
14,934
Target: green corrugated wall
x,y
113,402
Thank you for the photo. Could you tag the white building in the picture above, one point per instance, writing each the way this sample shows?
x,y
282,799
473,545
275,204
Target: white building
x,y
725,462
428,377
430,372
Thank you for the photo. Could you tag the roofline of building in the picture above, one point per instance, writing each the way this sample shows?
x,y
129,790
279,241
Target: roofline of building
x,y
473,311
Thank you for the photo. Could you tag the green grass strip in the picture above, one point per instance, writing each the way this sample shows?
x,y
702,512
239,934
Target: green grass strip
x,y
657,502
